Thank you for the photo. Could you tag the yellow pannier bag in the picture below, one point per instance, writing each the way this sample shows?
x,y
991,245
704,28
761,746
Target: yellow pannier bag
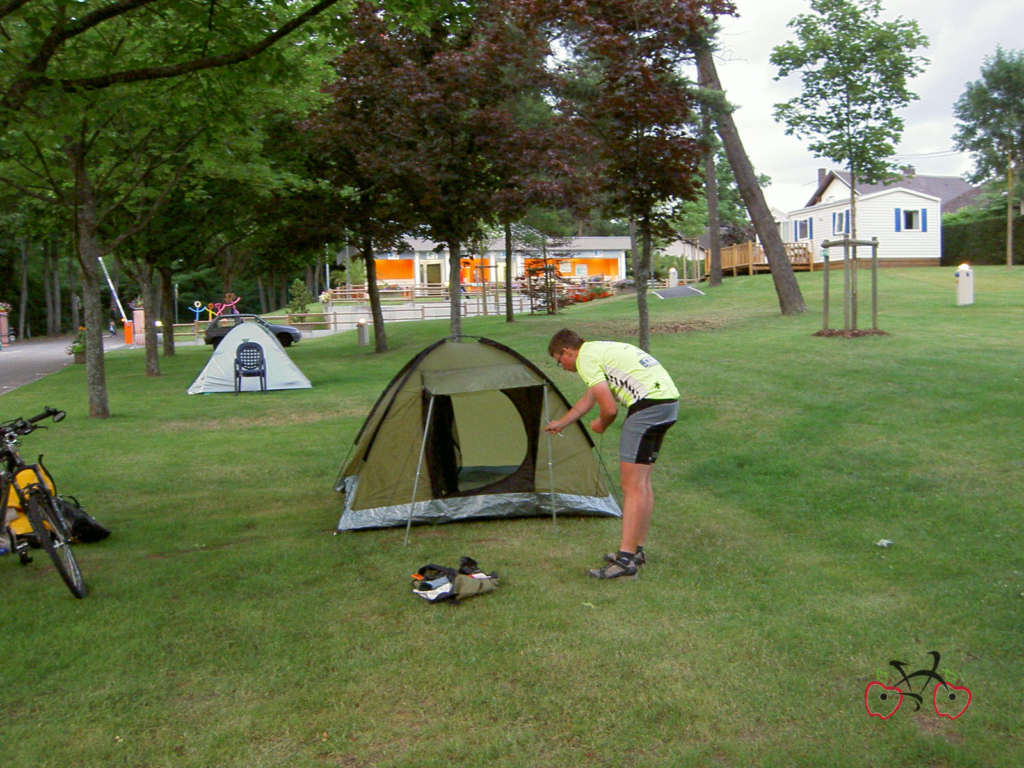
x,y
20,524
25,478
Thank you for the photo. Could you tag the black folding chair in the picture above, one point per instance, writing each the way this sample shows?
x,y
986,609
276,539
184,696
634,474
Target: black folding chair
x,y
249,361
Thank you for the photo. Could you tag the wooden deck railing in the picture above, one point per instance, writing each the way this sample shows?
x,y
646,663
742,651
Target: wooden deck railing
x,y
750,257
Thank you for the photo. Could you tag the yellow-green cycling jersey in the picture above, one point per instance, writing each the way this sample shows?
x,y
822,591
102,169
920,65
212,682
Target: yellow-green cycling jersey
x,y
631,373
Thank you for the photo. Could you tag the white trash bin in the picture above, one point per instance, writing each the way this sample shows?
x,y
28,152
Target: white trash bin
x,y
964,285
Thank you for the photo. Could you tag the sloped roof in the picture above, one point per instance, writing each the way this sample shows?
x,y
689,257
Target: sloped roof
x,y
946,188
961,201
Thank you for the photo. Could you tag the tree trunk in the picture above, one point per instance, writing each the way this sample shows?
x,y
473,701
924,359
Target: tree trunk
x,y
853,206
509,314
380,339
145,278
455,286
263,294
167,309
227,268
23,299
89,252
791,301
48,272
73,299
711,192
641,273
1009,213
57,318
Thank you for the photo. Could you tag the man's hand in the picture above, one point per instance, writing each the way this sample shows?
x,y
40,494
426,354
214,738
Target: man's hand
x,y
597,425
554,428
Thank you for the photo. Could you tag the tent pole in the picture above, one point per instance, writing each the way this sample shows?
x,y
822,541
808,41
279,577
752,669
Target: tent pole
x,y
419,466
551,464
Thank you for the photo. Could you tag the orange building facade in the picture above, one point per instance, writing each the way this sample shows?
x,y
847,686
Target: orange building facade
x,y
578,258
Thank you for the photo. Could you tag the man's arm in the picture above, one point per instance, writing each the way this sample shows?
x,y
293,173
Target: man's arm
x,y
606,407
598,394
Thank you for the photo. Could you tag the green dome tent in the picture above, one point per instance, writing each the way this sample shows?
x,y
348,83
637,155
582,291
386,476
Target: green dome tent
x,y
459,434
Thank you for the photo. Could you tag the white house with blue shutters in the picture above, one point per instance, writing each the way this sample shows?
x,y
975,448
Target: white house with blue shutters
x,y
905,215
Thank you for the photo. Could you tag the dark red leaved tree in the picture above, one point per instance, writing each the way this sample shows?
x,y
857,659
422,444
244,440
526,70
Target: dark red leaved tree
x,y
639,110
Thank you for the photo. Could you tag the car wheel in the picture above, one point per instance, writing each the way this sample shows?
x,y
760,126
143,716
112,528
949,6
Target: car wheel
x,y
215,341
285,339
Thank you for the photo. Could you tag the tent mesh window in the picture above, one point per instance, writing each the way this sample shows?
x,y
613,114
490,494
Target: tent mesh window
x,y
500,459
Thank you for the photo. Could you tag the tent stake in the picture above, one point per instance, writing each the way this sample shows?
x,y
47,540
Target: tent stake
x,y
419,466
551,465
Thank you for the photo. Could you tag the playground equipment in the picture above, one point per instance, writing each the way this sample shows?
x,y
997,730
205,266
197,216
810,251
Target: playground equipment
x,y
228,306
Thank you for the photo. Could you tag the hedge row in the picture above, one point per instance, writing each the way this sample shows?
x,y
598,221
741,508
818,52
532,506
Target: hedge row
x,y
981,242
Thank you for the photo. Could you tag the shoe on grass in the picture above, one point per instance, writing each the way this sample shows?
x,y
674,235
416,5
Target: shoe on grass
x,y
621,565
639,558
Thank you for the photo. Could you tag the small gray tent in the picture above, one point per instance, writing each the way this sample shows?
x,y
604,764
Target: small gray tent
x,y
218,375
459,434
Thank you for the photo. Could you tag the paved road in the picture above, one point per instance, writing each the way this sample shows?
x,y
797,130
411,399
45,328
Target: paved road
x,y
26,361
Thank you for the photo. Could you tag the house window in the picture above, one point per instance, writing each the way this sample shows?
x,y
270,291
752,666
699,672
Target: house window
x,y
801,229
840,222
911,220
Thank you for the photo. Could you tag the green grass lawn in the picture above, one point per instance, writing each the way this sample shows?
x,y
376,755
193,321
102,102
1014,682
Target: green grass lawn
x,y
227,626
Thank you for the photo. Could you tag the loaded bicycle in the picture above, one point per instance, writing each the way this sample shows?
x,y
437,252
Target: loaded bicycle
x,y
31,512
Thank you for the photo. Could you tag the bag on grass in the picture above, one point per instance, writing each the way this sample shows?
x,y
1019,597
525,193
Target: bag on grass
x,y
83,526
435,583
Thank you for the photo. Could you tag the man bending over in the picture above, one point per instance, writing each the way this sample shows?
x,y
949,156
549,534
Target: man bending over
x,y
619,373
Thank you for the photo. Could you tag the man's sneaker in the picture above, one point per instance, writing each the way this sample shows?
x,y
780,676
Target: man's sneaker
x,y
619,566
640,558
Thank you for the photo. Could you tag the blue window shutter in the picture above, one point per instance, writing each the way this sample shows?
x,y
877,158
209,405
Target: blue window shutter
x,y
796,231
833,221
846,229
810,228
924,219
899,220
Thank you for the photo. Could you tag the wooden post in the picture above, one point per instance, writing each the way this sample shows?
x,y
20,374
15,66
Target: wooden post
x,y
824,254
853,286
846,285
874,283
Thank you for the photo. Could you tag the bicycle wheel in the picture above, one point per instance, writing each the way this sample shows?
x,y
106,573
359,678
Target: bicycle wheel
x,y
50,531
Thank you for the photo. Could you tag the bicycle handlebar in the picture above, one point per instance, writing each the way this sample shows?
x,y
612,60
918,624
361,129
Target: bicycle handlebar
x,y
47,413
24,426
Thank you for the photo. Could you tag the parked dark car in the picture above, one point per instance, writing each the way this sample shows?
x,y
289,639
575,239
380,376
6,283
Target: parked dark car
x,y
220,325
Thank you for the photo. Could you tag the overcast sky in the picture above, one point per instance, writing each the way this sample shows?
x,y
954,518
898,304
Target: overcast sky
x,y
961,35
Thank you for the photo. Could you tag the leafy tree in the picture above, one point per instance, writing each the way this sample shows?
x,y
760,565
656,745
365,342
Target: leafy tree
x,y
692,218
44,43
990,115
299,297
450,94
639,112
113,156
350,156
855,70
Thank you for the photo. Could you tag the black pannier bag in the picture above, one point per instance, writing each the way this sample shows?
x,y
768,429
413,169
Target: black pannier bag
x,y
81,525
